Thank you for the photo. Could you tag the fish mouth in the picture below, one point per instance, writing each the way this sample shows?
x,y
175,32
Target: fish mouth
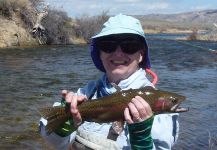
x,y
178,109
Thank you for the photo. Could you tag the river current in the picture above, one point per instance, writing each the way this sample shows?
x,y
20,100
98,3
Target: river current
x,y
32,78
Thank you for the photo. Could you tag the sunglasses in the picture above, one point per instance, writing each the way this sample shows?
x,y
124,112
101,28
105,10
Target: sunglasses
x,y
128,46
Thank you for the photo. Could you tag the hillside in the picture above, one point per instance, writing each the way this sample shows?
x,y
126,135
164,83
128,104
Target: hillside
x,y
199,20
206,16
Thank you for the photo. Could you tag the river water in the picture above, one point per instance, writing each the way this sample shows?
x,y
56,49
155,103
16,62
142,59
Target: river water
x,y
32,78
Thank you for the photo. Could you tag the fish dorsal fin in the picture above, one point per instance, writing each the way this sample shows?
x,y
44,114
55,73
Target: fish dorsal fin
x,y
150,88
116,87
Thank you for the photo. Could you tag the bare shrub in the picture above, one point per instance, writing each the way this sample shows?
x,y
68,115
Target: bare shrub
x,y
56,25
88,26
22,7
194,35
6,9
36,3
28,14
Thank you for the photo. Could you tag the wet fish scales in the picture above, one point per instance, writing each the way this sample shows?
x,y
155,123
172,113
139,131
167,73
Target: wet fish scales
x,y
110,108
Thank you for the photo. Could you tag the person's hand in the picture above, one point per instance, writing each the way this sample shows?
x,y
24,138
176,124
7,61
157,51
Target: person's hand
x,y
138,110
74,100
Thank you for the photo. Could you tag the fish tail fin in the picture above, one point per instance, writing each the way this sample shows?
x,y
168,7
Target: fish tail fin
x,y
55,116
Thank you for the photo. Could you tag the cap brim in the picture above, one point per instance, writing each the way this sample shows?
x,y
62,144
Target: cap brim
x,y
117,31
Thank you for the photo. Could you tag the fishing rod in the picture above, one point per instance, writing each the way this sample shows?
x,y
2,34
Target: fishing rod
x,y
154,75
196,46
186,43
189,44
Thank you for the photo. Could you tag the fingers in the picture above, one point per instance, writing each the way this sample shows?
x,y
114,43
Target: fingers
x,y
138,110
134,110
74,100
143,107
81,98
128,116
64,92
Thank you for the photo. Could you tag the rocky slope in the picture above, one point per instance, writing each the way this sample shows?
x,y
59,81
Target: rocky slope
x,y
13,33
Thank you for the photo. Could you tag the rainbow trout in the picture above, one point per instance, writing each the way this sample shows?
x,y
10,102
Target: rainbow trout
x,y
111,108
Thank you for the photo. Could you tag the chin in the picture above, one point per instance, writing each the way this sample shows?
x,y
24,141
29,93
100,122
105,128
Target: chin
x,y
118,73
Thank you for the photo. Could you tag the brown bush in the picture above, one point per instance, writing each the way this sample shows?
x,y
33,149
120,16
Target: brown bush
x,y
24,8
6,8
88,26
193,35
56,25
36,3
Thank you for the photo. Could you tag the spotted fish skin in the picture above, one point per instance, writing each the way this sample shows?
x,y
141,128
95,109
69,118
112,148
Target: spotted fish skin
x,y
110,108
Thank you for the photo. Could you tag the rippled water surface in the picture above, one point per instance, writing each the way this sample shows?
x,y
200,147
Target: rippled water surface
x,y
32,78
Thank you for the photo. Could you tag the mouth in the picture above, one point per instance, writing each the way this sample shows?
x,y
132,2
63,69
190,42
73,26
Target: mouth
x,y
118,62
178,109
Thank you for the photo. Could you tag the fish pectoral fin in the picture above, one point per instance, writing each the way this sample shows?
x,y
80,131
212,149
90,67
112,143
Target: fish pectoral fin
x,y
116,87
118,126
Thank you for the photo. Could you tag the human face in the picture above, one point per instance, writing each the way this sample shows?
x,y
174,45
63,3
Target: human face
x,y
120,65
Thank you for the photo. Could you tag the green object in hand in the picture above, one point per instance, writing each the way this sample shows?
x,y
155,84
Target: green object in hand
x,y
66,128
140,135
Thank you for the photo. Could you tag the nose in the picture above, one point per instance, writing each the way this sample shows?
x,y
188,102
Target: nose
x,y
118,50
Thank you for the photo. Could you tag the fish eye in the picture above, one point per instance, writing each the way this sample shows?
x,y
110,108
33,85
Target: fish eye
x,y
173,99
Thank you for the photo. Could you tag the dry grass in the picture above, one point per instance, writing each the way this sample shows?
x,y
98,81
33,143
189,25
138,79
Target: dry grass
x,y
208,37
7,7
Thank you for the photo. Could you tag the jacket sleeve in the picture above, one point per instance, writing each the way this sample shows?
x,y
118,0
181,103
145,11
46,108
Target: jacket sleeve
x,y
165,131
140,135
158,133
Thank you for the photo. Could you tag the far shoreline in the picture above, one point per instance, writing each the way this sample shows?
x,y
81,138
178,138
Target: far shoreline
x,y
80,42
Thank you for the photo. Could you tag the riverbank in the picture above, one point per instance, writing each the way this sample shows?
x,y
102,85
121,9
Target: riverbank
x,y
15,33
212,36
17,25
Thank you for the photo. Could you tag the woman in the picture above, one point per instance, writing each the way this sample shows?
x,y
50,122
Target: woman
x,y
120,51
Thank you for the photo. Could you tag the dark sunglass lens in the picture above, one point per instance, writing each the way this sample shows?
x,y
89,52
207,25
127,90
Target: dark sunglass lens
x,y
107,46
131,47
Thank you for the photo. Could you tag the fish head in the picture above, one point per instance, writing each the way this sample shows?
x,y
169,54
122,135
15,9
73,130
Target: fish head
x,y
168,102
